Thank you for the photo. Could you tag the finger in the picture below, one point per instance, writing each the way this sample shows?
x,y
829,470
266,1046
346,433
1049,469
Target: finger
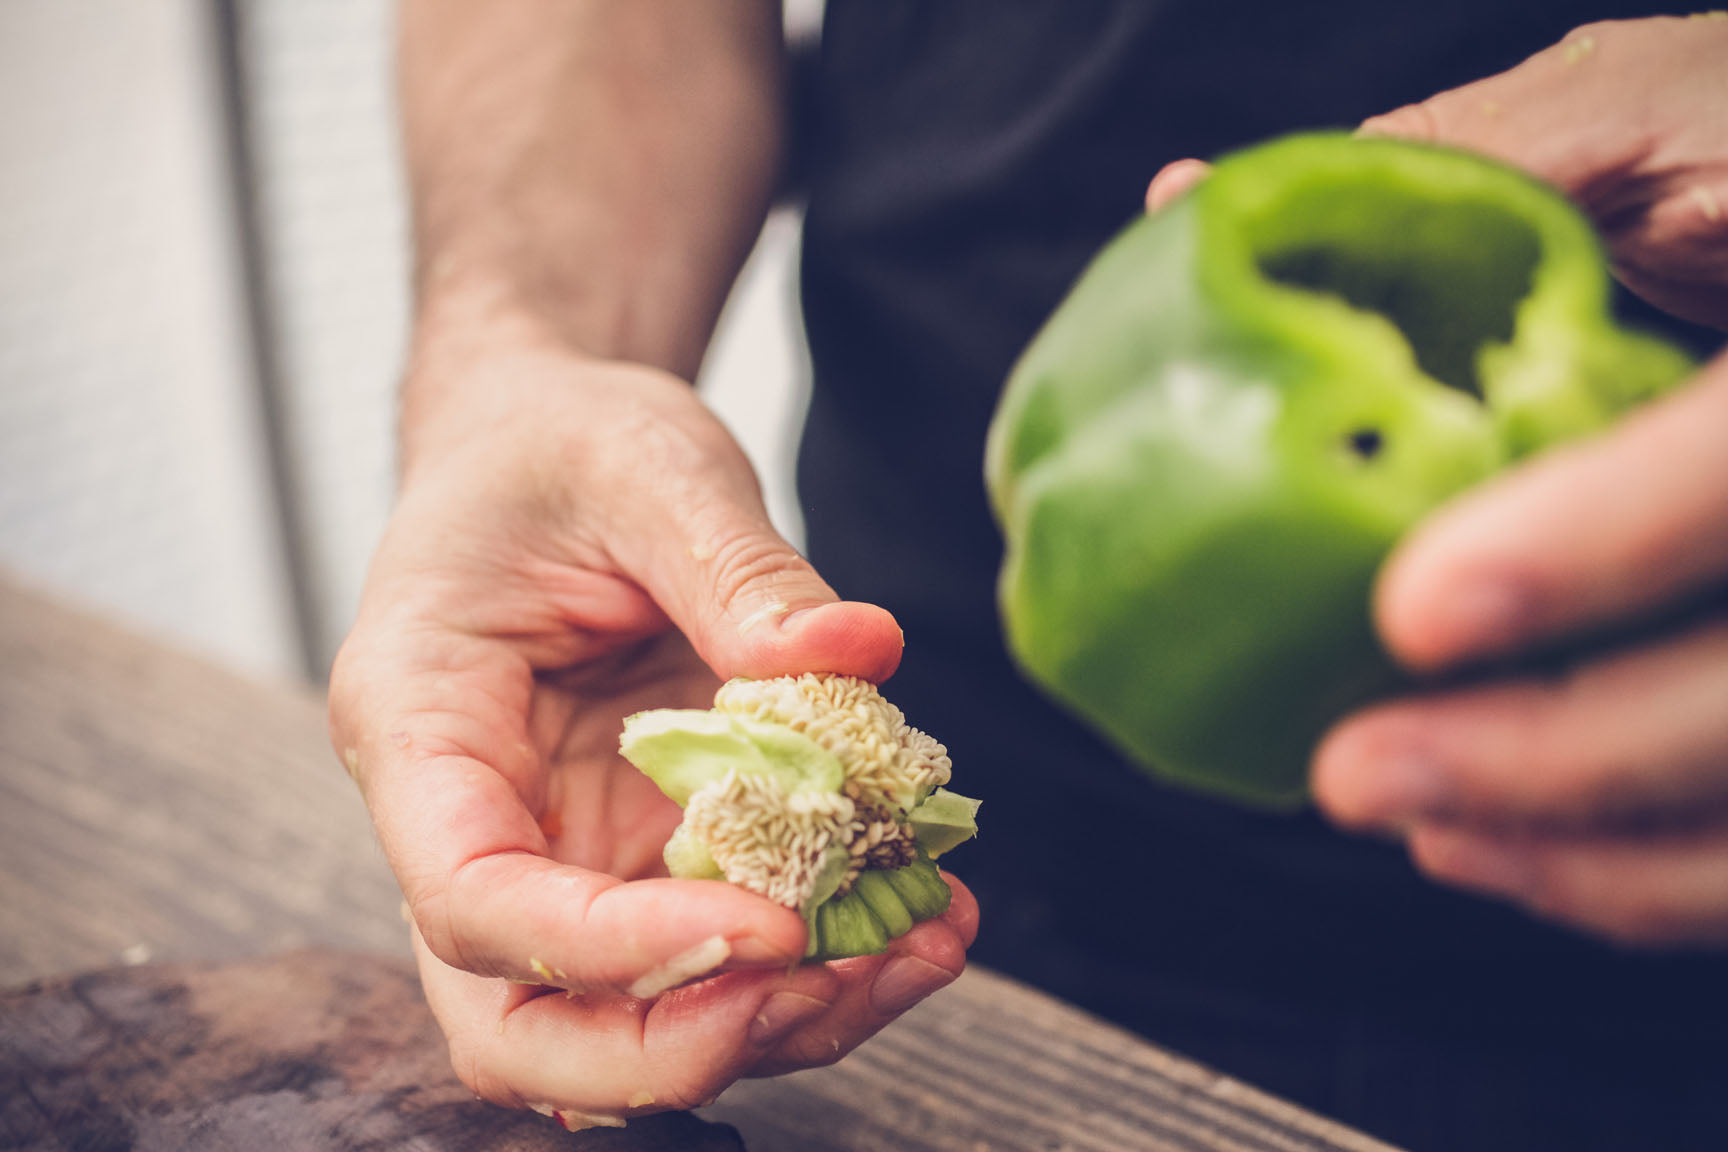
x,y
1638,736
1611,116
473,867
875,990
596,1059
526,917
1172,180
1587,534
445,764
699,539
1668,889
1538,115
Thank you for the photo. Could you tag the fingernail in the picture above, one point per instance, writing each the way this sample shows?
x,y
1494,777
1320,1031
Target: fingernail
x,y
780,1014
903,982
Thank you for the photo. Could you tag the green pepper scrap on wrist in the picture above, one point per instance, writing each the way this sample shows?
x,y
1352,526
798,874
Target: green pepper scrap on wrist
x,y
1204,456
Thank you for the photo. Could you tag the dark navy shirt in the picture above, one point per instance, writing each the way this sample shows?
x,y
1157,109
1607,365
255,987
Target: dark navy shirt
x,y
963,160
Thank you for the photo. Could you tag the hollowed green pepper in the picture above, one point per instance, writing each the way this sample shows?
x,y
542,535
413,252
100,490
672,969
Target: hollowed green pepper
x,y
1204,456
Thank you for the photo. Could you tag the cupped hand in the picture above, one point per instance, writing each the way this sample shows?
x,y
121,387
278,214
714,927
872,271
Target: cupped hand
x,y
1597,796
577,541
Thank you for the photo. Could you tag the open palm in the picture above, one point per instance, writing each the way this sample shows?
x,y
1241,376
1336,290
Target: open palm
x,y
522,603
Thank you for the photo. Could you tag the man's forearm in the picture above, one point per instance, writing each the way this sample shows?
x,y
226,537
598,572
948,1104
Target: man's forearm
x,y
593,171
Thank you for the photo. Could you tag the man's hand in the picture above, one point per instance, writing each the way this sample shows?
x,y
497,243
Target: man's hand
x,y
1630,119
584,540
576,539
1598,798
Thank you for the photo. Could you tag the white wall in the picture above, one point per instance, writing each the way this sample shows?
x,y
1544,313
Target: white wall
x,y
130,469
132,456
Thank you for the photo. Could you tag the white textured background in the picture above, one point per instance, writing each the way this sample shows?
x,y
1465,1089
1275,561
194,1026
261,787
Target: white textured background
x,y
134,470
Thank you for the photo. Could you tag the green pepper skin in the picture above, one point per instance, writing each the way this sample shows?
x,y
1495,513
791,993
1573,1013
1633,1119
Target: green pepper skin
x,y
1205,455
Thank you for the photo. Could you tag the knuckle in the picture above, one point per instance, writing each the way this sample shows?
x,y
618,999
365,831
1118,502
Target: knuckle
x,y
1580,769
812,1050
574,918
465,1062
1554,892
1639,924
345,666
672,439
342,684
1598,791
1538,767
468,1060
345,697
1506,764
747,560
1597,29
1655,549
1411,122
1573,892
430,908
1581,43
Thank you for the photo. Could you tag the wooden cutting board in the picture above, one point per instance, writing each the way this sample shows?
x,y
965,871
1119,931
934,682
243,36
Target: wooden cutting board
x,y
309,1052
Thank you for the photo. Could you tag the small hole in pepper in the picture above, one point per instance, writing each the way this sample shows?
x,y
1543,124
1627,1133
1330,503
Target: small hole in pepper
x,y
1365,442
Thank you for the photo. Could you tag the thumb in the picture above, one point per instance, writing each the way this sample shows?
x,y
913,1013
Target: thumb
x,y
702,545
1172,180
755,607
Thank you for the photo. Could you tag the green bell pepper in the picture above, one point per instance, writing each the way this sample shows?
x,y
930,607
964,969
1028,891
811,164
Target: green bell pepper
x,y
1204,456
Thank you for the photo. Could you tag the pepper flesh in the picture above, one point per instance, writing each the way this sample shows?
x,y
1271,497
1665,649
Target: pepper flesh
x,y
1202,459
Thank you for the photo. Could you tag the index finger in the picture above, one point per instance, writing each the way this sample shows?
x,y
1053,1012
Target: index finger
x,y
1548,114
1592,533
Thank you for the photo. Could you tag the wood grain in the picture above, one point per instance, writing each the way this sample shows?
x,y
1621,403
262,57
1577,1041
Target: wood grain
x,y
992,1066
153,806
301,1053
